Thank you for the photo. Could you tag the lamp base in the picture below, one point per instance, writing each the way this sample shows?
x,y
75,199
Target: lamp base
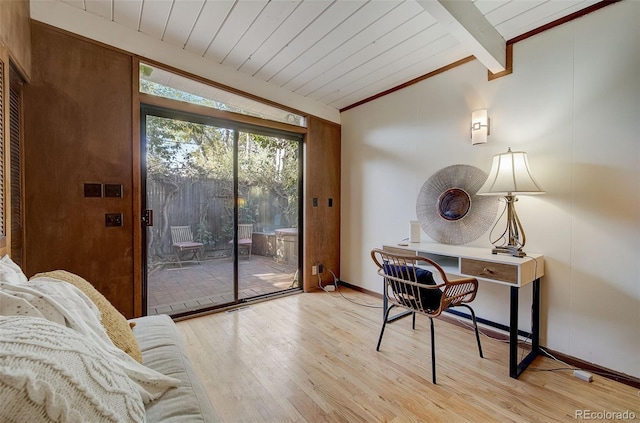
x,y
509,249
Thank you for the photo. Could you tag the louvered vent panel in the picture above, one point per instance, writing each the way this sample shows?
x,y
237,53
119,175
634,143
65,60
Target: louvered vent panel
x,y
2,111
16,166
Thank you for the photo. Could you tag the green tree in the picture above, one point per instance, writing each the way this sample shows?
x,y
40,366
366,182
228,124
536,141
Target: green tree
x,y
178,151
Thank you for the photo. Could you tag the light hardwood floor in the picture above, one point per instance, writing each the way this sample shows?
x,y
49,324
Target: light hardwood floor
x,y
311,358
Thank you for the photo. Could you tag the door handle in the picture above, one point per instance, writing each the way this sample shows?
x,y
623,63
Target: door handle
x,y
147,217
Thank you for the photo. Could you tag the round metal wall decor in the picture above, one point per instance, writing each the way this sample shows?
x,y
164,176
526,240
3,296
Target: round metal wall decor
x,y
449,209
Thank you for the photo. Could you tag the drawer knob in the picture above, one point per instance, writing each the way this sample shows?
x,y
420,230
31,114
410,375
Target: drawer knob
x,y
487,270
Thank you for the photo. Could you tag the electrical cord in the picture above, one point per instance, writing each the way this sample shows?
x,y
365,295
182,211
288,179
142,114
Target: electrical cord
x,y
548,354
527,340
320,282
614,376
336,281
609,375
504,233
469,326
556,369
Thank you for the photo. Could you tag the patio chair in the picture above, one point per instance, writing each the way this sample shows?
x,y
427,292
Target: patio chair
x,y
409,286
182,240
245,237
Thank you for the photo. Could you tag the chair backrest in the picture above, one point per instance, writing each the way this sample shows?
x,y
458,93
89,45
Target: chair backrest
x,y
404,286
383,259
181,234
245,231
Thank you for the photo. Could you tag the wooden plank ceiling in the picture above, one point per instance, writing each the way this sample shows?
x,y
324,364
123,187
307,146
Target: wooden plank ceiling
x,y
336,52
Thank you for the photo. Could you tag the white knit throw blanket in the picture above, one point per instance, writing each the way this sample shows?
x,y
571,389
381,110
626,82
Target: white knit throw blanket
x,y
50,373
62,302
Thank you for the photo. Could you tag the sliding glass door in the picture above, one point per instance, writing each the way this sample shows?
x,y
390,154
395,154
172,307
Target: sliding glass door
x,y
222,205
268,213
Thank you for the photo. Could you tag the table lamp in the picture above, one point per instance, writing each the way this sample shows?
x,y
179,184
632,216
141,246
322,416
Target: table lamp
x,y
510,175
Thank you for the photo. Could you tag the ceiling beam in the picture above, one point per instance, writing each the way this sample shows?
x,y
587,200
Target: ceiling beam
x,y
463,20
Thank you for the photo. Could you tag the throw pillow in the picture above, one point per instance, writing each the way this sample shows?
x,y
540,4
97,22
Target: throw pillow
x,y
114,322
429,297
62,302
51,373
10,271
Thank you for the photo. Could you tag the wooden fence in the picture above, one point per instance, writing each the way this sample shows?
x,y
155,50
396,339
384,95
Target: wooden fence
x,y
207,207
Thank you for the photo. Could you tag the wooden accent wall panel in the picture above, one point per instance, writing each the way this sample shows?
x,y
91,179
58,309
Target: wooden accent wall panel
x,y
15,33
78,129
321,181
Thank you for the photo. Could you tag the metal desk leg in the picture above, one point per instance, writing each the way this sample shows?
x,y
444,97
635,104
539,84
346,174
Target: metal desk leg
x,y
513,333
516,368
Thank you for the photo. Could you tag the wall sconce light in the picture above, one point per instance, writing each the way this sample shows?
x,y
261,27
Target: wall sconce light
x,y
479,127
510,175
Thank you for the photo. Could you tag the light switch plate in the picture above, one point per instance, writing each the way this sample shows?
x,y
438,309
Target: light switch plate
x,y
93,190
113,190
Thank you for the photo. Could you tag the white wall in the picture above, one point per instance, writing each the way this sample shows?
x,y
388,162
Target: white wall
x,y
572,103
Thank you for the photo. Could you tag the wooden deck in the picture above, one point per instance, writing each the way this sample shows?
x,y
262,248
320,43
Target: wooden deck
x,y
173,289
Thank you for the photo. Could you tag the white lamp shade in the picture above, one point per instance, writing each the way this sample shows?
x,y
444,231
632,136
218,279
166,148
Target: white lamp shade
x,y
510,174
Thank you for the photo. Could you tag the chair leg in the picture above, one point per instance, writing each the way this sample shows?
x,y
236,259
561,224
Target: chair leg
x,y
475,326
195,255
384,323
413,324
178,257
433,353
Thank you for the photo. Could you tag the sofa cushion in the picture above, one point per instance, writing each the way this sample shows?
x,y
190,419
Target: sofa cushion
x,y
51,373
113,321
163,350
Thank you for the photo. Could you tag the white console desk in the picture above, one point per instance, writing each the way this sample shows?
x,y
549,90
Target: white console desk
x,y
502,269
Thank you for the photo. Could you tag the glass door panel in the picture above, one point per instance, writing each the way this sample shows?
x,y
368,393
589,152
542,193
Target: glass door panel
x,y
268,210
225,207
189,187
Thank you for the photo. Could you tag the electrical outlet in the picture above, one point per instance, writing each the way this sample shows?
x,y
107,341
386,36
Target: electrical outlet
x,y
320,268
113,219
314,270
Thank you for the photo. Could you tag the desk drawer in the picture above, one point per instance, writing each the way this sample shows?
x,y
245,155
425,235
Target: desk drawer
x,y
488,270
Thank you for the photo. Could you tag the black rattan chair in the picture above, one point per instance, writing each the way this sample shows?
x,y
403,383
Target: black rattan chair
x,y
409,285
